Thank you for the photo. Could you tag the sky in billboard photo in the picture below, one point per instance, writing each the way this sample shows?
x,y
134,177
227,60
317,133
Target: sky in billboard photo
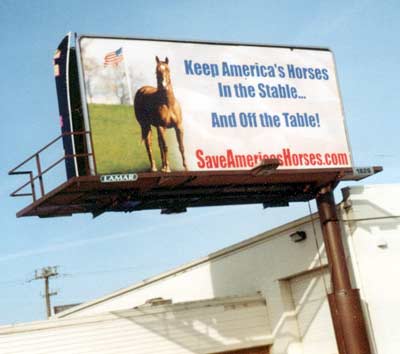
x,y
98,256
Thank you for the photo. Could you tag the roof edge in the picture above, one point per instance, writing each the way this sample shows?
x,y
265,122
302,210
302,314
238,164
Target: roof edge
x,y
254,299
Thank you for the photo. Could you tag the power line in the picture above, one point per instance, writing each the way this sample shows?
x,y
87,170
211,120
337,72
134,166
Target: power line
x,y
89,273
115,270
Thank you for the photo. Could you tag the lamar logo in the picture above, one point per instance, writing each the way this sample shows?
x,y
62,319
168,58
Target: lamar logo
x,y
127,177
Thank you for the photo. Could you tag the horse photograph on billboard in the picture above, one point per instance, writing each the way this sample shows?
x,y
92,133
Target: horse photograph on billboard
x,y
158,107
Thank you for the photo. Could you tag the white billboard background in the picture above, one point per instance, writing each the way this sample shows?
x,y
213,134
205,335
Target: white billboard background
x,y
199,96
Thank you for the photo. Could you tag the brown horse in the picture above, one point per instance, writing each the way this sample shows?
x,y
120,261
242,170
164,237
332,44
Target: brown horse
x,y
158,107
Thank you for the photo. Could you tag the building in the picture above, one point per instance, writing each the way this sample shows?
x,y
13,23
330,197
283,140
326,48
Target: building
x,y
266,294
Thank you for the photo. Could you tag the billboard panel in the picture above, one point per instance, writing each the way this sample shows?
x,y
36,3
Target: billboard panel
x,y
156,105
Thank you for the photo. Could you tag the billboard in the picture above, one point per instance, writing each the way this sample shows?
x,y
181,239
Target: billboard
x,y
155,105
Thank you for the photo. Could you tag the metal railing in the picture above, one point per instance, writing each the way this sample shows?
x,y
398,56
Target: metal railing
x,y
40,172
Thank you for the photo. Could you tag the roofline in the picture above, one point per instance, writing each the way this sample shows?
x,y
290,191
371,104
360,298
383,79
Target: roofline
x,y
212,256
255,299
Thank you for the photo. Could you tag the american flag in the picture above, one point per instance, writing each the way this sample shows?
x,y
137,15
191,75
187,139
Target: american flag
x,y
113,58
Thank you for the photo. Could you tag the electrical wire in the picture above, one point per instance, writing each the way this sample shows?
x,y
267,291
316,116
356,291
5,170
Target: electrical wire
x,y
88,273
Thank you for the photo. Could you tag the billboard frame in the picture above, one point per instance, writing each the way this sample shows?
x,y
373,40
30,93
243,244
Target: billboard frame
x,y
62,81
174,192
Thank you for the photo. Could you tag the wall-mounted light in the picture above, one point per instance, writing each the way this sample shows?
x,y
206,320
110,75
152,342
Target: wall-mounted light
x,y
298,236
381,242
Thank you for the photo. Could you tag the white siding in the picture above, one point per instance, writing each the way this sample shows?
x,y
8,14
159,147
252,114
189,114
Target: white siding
x,y
309,292
177,329
252,266
373,229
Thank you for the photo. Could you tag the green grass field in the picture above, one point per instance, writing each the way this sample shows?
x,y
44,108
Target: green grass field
x,y
118,144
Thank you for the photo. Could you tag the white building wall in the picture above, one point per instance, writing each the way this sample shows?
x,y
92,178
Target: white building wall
x,y
200,328
372,221
312,311
256,265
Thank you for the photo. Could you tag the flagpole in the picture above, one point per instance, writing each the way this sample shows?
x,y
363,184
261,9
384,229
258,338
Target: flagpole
x,y
128,79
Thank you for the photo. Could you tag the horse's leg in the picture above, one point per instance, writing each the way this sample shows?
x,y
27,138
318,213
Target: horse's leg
x,y
147,137
179,137
162,142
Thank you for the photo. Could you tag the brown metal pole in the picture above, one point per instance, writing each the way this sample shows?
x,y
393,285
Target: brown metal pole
x,y
39,169
345,303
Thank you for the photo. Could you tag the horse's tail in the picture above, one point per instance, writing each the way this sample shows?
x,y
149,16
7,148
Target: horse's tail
x,y
146,130
138,109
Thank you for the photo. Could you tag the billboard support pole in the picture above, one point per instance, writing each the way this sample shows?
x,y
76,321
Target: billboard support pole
x,y
344,301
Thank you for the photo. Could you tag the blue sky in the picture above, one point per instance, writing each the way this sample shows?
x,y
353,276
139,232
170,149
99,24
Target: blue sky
x,y
115,250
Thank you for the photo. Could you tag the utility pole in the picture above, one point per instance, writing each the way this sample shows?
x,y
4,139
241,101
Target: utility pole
x,y
46,273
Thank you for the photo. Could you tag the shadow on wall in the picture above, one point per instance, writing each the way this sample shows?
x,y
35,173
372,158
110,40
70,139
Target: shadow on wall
x,y
309,294
206,329
211,329
363,209
290,277
291,280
